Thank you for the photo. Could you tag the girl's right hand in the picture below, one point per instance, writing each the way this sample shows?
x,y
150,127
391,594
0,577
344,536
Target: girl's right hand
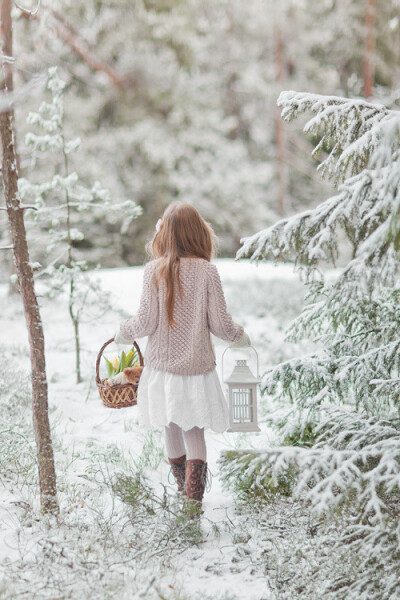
x,y
242,343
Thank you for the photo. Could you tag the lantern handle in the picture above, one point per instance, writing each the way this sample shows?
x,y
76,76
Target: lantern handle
x,y
229,348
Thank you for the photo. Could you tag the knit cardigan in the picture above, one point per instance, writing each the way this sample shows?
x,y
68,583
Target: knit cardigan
x,y
186,349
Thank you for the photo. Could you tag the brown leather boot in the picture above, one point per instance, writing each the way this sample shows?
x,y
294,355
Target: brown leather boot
x,y
196,479
178,468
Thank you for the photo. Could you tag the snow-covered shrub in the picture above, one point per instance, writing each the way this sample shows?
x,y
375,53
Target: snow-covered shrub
x,y
114,532
354,466
15,386
355,462
152,451
251,482
18,461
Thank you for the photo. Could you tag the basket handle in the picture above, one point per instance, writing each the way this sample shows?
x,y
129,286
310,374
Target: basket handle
x,y
98,380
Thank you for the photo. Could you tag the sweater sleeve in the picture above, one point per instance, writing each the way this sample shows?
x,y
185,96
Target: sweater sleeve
x,y
220,321
145,321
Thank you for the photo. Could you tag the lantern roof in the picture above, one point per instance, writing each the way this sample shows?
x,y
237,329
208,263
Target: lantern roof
x,y
242,374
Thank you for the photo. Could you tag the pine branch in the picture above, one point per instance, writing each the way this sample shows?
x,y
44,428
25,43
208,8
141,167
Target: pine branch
x,y
349,129
362,459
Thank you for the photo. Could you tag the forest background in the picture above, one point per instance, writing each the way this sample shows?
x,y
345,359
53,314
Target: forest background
x,y
176,99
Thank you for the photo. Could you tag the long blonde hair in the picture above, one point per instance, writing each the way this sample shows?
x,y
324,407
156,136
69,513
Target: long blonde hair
x,y
182,233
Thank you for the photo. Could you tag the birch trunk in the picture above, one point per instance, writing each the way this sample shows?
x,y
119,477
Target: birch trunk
x,y
47,475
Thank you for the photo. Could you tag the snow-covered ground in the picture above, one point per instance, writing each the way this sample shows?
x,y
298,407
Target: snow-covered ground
x,y
101,547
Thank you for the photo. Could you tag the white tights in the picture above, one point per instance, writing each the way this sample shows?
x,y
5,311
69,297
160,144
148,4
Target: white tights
x,y
179,442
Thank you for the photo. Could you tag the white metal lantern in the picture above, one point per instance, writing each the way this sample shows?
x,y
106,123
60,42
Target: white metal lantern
x,y
242,397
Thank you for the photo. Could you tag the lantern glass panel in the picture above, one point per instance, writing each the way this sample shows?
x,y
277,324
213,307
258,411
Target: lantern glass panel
x,y
242,404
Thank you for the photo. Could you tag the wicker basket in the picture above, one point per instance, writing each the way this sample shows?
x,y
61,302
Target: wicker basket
x,y
117,396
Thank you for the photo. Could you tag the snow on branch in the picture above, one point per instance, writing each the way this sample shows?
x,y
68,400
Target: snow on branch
x,y
285,240
26,11
349,129
367,204
356,457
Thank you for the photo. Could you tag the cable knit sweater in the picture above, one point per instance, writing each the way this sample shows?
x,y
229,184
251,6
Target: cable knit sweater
x,y
187,349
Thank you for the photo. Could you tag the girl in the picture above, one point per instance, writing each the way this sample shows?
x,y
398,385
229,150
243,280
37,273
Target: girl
x,y
182,302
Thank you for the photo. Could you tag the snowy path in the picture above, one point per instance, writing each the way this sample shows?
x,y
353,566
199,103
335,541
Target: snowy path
x,y
224,565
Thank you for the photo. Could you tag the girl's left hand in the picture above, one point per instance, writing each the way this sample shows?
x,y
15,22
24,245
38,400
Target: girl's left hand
x,y
242,343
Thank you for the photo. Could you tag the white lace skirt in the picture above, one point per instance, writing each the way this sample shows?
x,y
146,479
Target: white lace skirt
x,y
187,400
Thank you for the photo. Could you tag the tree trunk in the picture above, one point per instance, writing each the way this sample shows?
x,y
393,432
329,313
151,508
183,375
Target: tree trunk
x,y
77,350
12,283
279,132
369,47
47,475
73,314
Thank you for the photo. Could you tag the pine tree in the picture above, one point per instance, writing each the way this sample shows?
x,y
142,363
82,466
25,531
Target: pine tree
x,y
60,203
349,387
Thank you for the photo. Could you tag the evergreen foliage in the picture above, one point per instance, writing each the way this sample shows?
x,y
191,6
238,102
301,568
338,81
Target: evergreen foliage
x,y
350,386
59,203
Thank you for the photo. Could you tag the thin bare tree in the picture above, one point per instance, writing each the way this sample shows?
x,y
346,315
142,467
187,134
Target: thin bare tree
x,y
369,47
57,22
279,128
47,475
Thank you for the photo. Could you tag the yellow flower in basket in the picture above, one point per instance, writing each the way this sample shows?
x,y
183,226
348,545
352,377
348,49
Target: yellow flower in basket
x,y
118,364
